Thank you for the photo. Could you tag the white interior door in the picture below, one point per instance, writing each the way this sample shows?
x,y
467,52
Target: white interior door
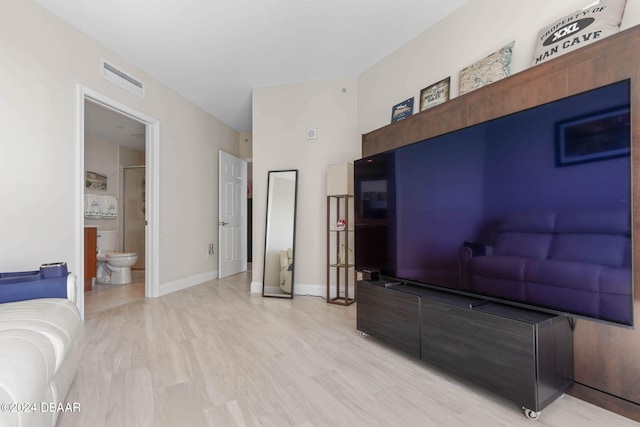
x,y
232,215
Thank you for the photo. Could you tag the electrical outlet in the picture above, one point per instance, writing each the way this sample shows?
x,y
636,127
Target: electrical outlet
x,y
211,250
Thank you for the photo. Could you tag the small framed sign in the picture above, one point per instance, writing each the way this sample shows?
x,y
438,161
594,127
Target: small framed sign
x,y
402,110
435,94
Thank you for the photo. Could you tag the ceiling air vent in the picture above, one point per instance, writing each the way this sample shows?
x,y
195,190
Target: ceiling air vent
x,y
119,77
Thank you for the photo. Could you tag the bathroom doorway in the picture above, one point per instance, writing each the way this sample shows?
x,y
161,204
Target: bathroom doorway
x,y
123,144
114,157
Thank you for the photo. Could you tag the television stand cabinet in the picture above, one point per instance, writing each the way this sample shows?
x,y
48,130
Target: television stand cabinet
x,y
523,355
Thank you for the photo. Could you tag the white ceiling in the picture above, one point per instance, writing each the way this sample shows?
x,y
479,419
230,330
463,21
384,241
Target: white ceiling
x,y
214,52
107,125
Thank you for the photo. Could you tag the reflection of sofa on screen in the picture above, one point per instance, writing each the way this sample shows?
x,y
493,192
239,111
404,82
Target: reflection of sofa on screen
x,y
575,262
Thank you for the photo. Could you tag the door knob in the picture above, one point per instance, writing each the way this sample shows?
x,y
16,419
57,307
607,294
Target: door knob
x,y
223,223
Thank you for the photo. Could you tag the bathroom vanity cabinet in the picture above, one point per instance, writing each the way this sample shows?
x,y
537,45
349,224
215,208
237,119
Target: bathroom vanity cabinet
x,y
90,254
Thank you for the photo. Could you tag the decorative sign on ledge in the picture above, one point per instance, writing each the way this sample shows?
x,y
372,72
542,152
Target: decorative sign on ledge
x,y
488,70
579,29
435,94
402,110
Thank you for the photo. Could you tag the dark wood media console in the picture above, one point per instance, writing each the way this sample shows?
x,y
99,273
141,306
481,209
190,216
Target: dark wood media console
x,y
523,355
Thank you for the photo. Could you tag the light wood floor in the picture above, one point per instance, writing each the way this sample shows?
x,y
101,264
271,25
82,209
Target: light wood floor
x,y
103,297
216,355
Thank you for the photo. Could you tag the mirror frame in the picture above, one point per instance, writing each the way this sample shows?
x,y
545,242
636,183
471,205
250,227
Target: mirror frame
x,y
266,233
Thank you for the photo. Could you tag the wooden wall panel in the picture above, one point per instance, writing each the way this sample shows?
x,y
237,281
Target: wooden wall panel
x,y
383,139
607,358
443,119
517,94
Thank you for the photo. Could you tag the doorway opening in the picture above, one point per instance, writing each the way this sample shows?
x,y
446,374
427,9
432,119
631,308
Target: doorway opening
x,y
118,158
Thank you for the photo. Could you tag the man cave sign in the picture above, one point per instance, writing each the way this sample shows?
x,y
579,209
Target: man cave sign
x,y
579,29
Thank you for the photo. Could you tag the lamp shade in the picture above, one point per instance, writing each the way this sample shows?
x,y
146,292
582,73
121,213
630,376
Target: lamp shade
x,y
340,179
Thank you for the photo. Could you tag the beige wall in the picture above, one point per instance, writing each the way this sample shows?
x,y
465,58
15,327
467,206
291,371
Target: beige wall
x,y
475,30
245,145
281,116
43,60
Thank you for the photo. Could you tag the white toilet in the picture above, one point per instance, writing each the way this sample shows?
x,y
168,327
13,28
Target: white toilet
x,y
113,267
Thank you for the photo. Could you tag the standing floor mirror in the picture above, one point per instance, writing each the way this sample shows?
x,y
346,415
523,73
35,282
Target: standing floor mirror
x,y
280,234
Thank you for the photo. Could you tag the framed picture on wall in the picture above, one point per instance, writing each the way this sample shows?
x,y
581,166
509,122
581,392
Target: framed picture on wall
x,y
402,110
600,136
435,94
95,181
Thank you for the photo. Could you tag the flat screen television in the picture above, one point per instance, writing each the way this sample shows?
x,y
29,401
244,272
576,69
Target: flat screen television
x,y
531,209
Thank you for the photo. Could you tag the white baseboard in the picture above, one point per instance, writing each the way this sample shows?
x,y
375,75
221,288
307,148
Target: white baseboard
x,y
298,289
313,290
256,287
187,282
